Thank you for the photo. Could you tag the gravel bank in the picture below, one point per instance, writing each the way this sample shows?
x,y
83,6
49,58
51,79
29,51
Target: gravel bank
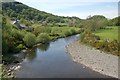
x,y
98,61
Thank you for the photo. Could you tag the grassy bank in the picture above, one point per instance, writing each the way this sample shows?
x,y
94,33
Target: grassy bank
x,y
110,32
5,73
105,39
58,32
15,39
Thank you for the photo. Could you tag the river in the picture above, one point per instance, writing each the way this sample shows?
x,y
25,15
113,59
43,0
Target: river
x,y
52,61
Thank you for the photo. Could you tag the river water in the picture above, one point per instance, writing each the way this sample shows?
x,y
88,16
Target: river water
x,y
53,61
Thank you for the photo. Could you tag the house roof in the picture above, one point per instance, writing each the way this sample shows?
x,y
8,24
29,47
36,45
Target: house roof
x,y
15,21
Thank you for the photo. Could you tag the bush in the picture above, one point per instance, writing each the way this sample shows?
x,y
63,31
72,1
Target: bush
x,y
67,33
72,31
55,32
17,34
8,58
29,39
5,47
9,42
41,29
43,38
38,30
105,45
82,36
20,46
47,30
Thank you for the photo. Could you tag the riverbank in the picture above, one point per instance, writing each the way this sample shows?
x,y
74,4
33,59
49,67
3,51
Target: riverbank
x,y
101,62
8,69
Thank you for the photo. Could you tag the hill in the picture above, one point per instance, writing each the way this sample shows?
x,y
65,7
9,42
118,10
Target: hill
x,y
20,11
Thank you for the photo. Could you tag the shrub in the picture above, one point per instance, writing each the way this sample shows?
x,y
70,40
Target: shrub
x,y
41,29
20,46
72,31
47,30
67,33
5,47
29,39
105,45
54,33
82,36
8,58
43,38
9,42
17,34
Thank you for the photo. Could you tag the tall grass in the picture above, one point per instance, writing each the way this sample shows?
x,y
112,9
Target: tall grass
x,y
110,33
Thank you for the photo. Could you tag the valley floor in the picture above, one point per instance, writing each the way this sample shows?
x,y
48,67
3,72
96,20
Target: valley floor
x,y
101,62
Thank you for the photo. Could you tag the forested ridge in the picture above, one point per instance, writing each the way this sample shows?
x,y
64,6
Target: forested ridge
x,y
28,15
17,10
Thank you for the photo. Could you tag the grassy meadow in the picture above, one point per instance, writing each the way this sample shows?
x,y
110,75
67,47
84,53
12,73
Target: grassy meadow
x,y
62,30
110,32
105,39
55,31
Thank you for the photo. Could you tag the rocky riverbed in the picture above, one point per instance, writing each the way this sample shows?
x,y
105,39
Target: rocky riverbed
x,y
99,61
8,70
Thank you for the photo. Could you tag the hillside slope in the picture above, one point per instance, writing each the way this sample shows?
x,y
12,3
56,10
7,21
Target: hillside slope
x,y
17,10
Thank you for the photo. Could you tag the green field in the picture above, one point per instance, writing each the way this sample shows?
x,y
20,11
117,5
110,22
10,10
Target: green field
x,y
61,30
111,33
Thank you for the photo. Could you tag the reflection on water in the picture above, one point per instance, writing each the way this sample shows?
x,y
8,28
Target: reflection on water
x,y
44,47
71,38
32,53
51,61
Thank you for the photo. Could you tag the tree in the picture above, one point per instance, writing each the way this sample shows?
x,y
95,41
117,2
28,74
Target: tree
x,y
96,17
4,20
115,21
72,31
29,39
18,35
43,38
94,23
21,20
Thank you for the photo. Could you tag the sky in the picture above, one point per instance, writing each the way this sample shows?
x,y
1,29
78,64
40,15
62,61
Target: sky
x,y
78,8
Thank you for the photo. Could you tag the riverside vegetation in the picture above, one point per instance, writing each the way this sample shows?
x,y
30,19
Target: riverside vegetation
x,y
94,30
45,27
103,36
15,40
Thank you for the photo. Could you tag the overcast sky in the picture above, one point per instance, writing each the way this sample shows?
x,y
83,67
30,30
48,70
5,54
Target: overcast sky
x,y
81,9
